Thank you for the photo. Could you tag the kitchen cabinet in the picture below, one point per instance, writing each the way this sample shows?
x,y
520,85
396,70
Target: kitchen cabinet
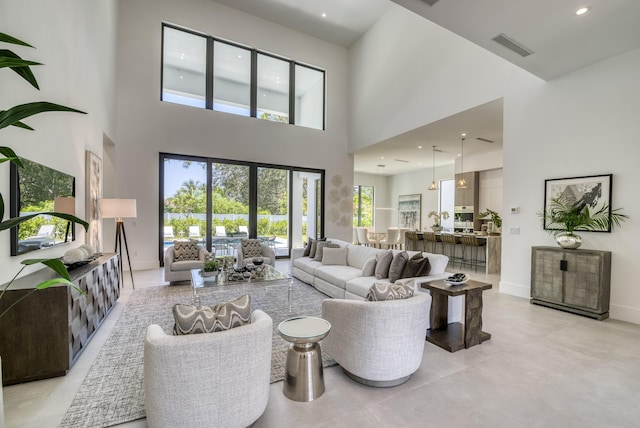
x,y
576,281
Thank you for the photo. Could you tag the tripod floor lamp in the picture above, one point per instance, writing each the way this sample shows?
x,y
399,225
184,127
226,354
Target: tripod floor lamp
x,y
119,209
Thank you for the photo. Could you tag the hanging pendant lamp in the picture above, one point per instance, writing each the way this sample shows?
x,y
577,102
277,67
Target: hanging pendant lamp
x,y
434,185
462,183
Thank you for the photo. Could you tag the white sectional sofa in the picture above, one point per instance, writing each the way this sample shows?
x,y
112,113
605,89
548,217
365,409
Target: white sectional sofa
x,y
347,281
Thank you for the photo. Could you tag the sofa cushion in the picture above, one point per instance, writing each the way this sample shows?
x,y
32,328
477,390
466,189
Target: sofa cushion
x,y
185,250
417,265
251,248
397,265
190,319
369,268
320,246
336,274
306,264
383,262
314,245
382,291
359,254
335,256
362,284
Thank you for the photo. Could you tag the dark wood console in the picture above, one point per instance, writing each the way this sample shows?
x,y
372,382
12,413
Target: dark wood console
x,y
43,335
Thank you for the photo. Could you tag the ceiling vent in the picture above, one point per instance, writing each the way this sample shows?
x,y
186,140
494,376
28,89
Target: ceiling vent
x,y
509,43
401,160
431,2
485,140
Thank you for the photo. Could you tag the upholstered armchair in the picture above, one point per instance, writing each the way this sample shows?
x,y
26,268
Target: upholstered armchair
x,y
377,343
208,380
252,248
177,269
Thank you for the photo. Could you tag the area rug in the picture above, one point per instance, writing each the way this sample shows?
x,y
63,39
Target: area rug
x,y
113,393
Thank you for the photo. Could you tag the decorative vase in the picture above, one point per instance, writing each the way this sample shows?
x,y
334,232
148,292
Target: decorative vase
x,y
568,240
436,228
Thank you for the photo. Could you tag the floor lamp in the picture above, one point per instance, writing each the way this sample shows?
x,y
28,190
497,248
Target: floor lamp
x,y
119,209
65,205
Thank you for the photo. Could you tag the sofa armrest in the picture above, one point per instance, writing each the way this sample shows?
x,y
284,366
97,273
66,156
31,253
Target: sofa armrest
x,y
168,259
296,253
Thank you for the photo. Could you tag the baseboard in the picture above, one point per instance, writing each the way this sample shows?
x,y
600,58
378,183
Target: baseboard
x,y
624,313
515,289
141,265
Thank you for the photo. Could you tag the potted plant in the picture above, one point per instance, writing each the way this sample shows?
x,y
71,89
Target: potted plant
x,y
496,220
564,216
210,267
437,215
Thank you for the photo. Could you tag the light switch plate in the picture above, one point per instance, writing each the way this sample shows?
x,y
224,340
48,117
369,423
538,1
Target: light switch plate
x,y
514,230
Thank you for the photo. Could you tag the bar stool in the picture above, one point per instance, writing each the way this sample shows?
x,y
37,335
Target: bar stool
x,y
473,244
432,239
449,246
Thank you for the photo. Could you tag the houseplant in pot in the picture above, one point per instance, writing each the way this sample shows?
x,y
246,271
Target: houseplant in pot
x,y
495,219
564,216
210,268
13,117
437,216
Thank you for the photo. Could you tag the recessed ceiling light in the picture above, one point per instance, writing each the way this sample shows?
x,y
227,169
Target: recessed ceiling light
x,y
464,134
419,147
582,10
182,77
381,157
324,15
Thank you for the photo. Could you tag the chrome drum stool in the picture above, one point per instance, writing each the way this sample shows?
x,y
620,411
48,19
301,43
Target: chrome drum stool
x,y
304,377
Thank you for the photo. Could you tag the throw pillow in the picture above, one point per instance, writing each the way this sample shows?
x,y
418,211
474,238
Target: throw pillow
x,y
416,266
251,248
383,291
397,265
185,250
321,246
191,319
383,261
335,256
369,267
314,245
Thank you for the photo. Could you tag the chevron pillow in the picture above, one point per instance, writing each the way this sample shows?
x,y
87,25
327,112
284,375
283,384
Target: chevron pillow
x,y
191,319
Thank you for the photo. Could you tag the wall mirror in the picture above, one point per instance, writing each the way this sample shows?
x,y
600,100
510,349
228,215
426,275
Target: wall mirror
x,y
34,189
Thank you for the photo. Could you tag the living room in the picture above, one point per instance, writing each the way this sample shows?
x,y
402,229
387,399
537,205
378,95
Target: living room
x,y
104,58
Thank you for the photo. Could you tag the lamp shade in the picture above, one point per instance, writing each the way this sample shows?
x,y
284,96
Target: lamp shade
x,y
64,205
118,208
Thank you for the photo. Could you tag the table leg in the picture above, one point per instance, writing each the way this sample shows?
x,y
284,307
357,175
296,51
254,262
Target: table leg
x,y
439,310
473,334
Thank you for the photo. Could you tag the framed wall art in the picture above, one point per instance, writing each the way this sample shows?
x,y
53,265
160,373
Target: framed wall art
x,y
410,211
93,173
592,191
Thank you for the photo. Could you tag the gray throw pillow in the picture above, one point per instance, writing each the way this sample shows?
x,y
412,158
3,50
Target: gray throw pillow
x,y
335,256
185,250
314,245
320,246
369,267
383,291
397,265
383,263
416,266
191,319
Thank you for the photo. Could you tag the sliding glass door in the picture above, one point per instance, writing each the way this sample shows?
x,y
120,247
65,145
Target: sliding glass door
x,y
220,202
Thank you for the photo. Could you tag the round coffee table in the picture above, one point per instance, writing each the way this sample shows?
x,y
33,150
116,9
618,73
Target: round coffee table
x,y
304,378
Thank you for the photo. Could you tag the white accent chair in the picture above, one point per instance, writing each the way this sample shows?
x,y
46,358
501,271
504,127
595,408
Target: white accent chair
x,y
208,380
268,255
377,343
363,237
392,238
179,271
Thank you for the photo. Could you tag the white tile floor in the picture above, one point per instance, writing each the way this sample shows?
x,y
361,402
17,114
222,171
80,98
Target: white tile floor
x,y
541,368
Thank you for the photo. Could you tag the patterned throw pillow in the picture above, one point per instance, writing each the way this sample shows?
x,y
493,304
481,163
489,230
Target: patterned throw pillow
x,y
185,250
381,291
320,246
251,248
416,266
397,266
190,319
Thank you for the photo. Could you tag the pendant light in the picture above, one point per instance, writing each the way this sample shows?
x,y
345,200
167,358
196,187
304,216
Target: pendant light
x,y
434,185
462,183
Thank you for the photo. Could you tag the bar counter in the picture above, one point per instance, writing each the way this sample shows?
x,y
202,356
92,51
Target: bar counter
x,y
492,249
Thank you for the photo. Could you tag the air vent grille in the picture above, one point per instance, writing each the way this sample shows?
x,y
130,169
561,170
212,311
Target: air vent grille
x,y
485,140
431,2
509,43
401,160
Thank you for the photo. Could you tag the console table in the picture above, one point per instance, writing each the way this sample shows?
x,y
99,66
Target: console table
x,y
43,335
456,336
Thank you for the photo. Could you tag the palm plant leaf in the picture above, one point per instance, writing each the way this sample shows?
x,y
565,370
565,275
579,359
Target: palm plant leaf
x,y
17,113
566,215
54,264
10,39
10,155
19,65
15,221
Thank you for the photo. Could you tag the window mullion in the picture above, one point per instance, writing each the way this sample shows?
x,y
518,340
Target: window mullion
x,y
254,84
209,76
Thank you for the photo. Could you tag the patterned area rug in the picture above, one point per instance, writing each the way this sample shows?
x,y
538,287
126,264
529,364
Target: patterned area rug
x,y
113,393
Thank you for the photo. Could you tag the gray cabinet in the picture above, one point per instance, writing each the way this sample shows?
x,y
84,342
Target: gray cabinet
x,y
575,281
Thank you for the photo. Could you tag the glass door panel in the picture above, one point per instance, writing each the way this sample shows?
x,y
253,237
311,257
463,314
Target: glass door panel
x,y
229,206
273,209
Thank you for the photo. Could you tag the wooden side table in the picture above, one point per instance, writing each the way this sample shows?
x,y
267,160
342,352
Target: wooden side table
x,y
456,336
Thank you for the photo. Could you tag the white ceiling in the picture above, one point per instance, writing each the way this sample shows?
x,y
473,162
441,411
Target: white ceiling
x,y
561,41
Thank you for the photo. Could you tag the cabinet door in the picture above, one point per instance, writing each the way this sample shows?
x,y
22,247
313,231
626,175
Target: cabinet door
x,y
546,282
582,279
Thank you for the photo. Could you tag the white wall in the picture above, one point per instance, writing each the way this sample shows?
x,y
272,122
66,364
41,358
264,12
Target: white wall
x,y
406,72
490,191
75,40
147,126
